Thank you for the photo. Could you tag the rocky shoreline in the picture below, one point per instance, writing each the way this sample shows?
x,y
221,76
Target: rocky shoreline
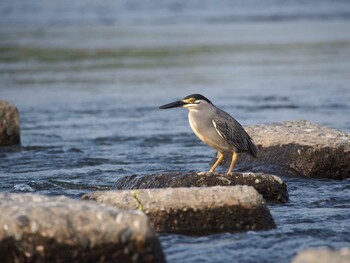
x,y
300,148
37,228
197,210
271,187
9,124
323,255
121,224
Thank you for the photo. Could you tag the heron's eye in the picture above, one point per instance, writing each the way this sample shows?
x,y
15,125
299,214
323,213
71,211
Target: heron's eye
x,y
192,100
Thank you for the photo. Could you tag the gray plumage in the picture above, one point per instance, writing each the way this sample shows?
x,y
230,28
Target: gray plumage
x,y
234,133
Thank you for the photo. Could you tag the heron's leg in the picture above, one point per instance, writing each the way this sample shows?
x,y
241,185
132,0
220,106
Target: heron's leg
x,y
218,161
234,158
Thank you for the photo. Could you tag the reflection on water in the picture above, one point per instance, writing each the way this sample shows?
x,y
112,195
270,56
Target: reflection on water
x,y
88,85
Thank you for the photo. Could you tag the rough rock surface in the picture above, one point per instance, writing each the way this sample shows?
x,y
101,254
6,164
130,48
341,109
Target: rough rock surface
x,y
323,255
35,228
271,187
9,124
197,210
302,148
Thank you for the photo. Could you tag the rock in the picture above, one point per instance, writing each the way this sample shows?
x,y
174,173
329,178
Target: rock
x,y
300,148
323,255
37,228
197,210
9,124
271,187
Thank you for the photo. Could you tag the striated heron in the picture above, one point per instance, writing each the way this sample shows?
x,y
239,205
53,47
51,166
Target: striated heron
x,y
216,128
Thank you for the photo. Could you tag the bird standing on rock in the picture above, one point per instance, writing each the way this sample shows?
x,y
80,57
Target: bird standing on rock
x,y
216,128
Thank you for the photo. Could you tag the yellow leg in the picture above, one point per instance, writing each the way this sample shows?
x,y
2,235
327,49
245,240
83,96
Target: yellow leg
x,y
219,160
234,158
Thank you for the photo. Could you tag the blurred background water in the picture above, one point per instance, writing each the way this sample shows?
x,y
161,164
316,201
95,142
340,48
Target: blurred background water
x,y
88,77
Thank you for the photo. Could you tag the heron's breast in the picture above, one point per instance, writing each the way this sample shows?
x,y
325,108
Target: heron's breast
x,y
207,133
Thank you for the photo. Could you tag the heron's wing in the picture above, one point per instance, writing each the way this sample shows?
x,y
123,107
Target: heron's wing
x,y
233,132
231,135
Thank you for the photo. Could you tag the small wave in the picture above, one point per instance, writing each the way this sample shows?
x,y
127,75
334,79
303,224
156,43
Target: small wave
x,y
113,139
278,17
266,107
75,150
23,188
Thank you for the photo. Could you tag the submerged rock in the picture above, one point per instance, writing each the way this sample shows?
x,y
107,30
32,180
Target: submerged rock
x,y
271,187
197,210
35,228
323,255
9,124
302,148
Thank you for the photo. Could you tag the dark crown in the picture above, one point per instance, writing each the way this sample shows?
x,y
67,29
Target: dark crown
x,y
197,97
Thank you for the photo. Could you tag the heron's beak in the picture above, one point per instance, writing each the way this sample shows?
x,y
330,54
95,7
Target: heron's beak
x,y
174,104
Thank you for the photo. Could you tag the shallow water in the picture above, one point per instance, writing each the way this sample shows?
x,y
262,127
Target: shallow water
x,y
88,89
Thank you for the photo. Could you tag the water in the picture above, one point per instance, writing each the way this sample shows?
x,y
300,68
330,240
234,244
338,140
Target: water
x,y
88,79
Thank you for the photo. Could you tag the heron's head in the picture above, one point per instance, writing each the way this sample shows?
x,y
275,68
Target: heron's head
x,y
193,101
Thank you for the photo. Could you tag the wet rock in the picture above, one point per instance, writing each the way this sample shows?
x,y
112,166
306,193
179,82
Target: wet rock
x,y
197,210
35,228
271,187
300,148
323,255
9,124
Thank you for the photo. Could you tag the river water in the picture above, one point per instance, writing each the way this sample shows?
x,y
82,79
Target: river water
x,y
88,78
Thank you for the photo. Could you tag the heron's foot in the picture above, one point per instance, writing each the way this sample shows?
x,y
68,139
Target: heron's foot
x,y
219,160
